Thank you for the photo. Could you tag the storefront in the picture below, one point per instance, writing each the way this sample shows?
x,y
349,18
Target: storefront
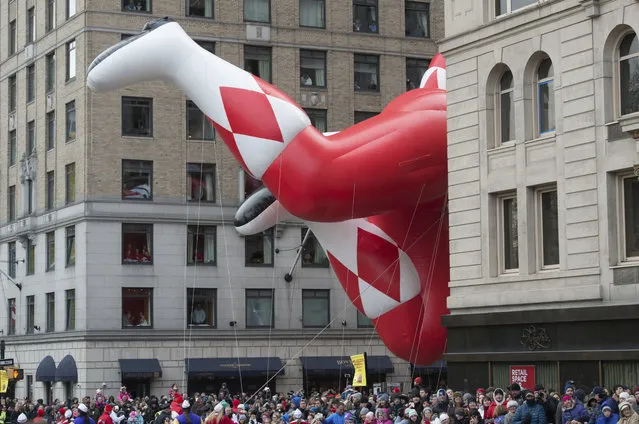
x,y
206,375
336,372
592,346
433,376
45,373
137,374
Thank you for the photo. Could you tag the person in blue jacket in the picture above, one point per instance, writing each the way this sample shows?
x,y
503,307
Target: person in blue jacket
x,y
83,415
530,412
337,417
573,412
188,417
607,416
599,393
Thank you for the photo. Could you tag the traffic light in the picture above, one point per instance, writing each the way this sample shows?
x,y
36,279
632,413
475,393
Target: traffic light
x,y
18,374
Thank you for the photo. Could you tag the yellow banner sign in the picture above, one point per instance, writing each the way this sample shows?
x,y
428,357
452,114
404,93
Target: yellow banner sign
x,y
4,381
359,363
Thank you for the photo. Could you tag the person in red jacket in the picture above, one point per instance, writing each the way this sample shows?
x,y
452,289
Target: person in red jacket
x,y
105,418
499,399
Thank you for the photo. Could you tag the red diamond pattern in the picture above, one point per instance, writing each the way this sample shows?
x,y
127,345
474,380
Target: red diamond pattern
x,y
229,140
383,272
348,279
238,104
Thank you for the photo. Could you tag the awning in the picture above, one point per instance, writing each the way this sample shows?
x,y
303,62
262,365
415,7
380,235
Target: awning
x,y
140,368
433,368
46,370
67,371
329,365
230,367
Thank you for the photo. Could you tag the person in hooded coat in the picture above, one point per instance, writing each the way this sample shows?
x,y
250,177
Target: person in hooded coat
x,y
607,416
628,415
572,412
443,403
499,398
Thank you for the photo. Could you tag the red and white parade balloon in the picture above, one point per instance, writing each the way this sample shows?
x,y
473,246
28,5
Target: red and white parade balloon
x,y
374,194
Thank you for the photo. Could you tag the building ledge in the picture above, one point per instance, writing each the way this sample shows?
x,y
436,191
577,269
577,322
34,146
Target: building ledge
x,y
630,124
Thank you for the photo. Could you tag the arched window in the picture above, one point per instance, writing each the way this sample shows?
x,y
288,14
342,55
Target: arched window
x,y
545,97
505,116
629,74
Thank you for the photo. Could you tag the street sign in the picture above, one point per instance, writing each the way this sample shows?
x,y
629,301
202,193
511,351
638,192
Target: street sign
x,y
6,362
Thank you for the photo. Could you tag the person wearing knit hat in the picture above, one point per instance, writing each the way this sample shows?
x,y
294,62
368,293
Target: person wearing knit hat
x,y
512,406
444,418
105,418
83,415
628,414
188,417
22,418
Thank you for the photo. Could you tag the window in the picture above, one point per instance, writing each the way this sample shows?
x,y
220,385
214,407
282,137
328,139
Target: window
x,y
30,83
201,245
71,9
548,228
506,6
415,70
257,11
260,308
30,385
201,8
70,246
50,130
50,15
545,97
508,233
30,314
30,25
30,196
31,137
365,16
50,65
30,257
363,116
366,73
137,243
200,182
629,74
137,179
313,254
50,200
318,119
69,195
136,5
313,68
71,60
209,46
259,249
505,102
313,13
198,126
417,16
257,60
630,217
137,307
202,307
11,203
70,309
70,121
12,148
50,251
137,116
50,327
316,308
12,93
13,41
12,314
363,321
12,259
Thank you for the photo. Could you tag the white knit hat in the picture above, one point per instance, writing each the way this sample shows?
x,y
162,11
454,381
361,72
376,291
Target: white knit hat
x,y
186,404
218,408
512,403
68,413
82,407
297,414
22,418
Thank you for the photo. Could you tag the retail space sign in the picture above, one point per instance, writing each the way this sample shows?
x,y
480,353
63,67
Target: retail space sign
x,y
524,375
4,381
359,363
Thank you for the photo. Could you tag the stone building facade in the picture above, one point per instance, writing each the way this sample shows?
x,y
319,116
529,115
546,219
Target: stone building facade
x,y
543,113
94,218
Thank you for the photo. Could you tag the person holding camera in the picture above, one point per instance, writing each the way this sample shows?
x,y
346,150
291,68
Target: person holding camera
x,y
530,412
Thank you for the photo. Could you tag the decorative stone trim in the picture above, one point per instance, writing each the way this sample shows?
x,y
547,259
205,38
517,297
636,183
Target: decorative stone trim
x,y
630,124
591,7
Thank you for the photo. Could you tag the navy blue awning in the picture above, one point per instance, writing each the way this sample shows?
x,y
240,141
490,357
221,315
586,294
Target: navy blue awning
x,y
230,367
67,370
433,368
46,370
329,365
140,368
